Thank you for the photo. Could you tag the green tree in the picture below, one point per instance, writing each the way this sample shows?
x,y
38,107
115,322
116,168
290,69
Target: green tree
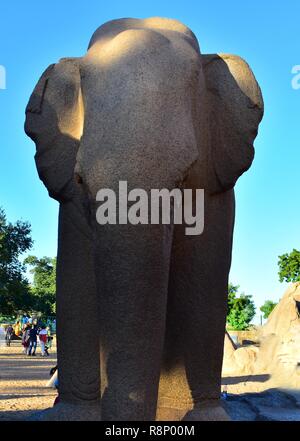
x,y
289,267
232,295
44,283
15,239
267,308
241,309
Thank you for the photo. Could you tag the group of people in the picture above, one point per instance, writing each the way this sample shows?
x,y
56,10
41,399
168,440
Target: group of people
x,y
31,332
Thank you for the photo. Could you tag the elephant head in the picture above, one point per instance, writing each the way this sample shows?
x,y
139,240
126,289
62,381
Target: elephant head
x,y
144,94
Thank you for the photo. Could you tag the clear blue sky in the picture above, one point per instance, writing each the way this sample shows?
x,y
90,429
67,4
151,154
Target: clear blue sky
x,y
34,34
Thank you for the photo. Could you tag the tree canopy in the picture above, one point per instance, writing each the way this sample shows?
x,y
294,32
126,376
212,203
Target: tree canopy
x,y
241,309
267,308
15,239
43,288
289,267
16,294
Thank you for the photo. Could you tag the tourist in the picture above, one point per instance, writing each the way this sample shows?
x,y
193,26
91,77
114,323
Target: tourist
x,y
33,332
49,337
43,337
26,338
53,382
24,321
17,329
9,334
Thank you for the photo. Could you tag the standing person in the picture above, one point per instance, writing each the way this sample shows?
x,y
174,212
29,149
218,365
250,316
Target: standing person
x,y
9,334
24,321
17,329
49,337
26,338
43,336
33,332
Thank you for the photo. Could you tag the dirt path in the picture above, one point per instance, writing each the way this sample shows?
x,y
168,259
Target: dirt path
x,y
22,382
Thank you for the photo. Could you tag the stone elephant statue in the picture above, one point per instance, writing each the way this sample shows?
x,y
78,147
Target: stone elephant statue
x,y
143,307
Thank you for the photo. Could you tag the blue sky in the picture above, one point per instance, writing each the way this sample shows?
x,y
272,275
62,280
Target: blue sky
x,y
34,34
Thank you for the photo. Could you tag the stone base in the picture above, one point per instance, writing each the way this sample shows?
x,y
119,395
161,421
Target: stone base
x,y
170,414
213,413
69,412
212,410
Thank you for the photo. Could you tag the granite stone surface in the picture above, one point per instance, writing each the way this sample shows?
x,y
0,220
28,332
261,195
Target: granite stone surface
x,y
141,309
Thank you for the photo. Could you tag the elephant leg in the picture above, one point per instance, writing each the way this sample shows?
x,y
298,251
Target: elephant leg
x,y
198,301
77,313
132,267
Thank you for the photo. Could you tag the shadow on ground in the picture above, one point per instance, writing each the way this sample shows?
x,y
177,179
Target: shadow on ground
x,y
270,405
243,379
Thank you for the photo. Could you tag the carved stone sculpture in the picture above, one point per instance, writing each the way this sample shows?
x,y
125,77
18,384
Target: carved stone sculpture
x,y
146,107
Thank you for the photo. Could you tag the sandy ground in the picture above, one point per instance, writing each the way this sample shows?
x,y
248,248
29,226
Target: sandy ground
x,y
23,391
22,382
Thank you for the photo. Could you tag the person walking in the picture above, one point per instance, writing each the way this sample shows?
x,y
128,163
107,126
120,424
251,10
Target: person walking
x,y
33,332
43,337
9,334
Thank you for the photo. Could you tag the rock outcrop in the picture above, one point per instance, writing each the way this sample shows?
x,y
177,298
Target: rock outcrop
x,y
278,352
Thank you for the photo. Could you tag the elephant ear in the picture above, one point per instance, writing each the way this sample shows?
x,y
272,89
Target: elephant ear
x,y
54,122
236,109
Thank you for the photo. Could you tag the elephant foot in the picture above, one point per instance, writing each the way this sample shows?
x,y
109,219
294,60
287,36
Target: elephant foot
x,y
69,412
211,410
